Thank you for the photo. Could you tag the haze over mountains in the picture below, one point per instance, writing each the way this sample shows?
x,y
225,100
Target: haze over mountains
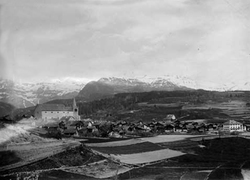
x,y
29,94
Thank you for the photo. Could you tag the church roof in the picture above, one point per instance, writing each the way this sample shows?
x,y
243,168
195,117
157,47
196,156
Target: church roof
x,y
54,107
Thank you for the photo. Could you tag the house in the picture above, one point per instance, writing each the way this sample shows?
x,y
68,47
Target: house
x,y
169,128
177,128
247,127
170,117
77,124
56,111
53,126
114,134
232,125
70,131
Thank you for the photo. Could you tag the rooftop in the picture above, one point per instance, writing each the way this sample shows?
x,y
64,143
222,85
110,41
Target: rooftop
x,y
231,122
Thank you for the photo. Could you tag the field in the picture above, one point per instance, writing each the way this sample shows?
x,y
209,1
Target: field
x,y
234,109
164,157
128,149
169,138
142,150
147,157
205,163
118,142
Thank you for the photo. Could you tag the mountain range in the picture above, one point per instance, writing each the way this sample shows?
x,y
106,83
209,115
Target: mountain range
x,y
23,95
106,87
29,94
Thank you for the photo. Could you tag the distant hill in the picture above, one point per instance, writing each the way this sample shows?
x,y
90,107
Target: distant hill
x,y
107,87
149,105
96,90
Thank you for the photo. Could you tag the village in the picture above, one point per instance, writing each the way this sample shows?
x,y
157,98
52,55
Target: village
x,y
123,129
60,121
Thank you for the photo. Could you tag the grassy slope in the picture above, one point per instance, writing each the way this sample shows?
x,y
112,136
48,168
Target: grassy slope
x,y
71,157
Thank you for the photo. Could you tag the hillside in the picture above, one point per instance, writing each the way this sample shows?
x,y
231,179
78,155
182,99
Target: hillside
x,y
6,109
185,105
96,90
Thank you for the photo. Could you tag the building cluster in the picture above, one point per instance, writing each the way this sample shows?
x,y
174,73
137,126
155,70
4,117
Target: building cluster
x,y
91,128
69,124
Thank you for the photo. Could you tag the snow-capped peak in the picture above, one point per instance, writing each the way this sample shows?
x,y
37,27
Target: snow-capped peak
x,y
175,79
29,94
167,80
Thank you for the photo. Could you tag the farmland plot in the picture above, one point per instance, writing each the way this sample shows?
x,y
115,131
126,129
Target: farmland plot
x,y
169,138
195,175
147,157
129,149
115,143
236,109
136,151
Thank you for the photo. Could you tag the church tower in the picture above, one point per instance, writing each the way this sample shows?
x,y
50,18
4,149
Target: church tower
x,y
75,110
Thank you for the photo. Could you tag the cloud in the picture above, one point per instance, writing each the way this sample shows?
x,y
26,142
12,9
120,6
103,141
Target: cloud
x,y
91,39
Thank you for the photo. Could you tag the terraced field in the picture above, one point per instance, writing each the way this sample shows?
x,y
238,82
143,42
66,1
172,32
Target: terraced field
x,y
234,109
180,145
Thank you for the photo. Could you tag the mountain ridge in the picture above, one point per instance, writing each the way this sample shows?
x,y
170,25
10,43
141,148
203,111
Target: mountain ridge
x,y
23,95
106,87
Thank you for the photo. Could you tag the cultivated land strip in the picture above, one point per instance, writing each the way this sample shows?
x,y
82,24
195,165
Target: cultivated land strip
x,y
115,143
147,157
170,138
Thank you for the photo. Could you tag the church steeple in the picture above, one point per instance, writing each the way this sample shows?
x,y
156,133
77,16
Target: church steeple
x,y
75,110
74,103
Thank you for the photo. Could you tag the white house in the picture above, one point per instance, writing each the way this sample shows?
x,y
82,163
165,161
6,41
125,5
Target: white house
x,y
232,125
56,111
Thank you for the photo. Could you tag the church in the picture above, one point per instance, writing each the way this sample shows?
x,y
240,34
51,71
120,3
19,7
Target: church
x,y
56,111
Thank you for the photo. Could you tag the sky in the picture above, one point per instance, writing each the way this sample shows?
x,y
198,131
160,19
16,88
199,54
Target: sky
x,y
204,40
